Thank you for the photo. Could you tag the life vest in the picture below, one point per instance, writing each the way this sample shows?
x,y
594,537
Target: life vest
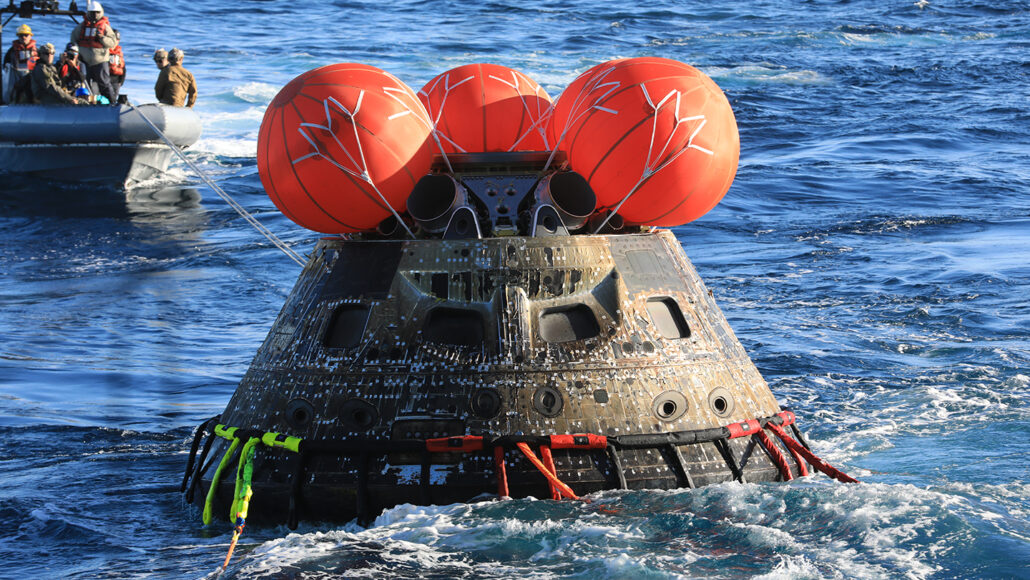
x,y
26,54
92,32
117,61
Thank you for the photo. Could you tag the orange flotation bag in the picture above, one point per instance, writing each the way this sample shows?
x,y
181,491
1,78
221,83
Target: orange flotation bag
x,y
341,145
487,107
655,138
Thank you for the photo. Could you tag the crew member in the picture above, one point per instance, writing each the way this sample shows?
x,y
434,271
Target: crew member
x,y
46,86
96,38
117,62
69,70
161,58
22,55
175,85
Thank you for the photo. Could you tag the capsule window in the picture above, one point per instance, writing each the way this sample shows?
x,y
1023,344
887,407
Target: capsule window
x,y
668,318
568,323
347,326
454,326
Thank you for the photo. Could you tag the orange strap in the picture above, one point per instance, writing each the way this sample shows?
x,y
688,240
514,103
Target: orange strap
x,y
552,478
462,444
545,455
502,473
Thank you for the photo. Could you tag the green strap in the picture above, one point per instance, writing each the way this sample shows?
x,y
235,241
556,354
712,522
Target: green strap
x,y
226,432
290,443
218,475
244,477
244,469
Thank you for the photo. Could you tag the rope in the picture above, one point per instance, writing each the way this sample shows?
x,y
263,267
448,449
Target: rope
x,y
218,190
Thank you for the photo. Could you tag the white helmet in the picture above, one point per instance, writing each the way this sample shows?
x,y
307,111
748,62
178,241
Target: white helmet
x,y
94,6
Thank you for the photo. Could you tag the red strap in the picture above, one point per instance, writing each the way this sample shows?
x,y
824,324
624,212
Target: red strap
x,y
788,418
579,441
524,448
749,427
463,444
811,457
502,473
778,458
802,468
545,455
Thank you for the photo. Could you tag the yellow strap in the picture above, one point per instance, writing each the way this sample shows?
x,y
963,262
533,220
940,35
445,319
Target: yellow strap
x,y
244,473
218,475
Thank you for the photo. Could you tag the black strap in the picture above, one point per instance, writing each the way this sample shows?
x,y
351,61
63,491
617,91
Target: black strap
x,y
424,481
362,499
295,487
201,467
197,436
723,446
680,466
617,466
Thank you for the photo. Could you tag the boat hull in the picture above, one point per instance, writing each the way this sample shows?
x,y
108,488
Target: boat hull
x,y
96,144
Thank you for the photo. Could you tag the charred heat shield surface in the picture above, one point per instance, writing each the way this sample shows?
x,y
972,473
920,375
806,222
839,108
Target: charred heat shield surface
x,y
392,340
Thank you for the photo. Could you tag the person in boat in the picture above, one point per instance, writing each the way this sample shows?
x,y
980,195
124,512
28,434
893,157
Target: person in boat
x,y
46,85
20,58
117,65
70,69
96,38
175,85
22,55
161,58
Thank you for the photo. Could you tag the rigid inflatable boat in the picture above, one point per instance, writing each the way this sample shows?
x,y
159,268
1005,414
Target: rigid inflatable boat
x,y
93,143
510,328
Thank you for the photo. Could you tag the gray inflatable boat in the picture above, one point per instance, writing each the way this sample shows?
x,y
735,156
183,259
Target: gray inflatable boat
x,y
95,144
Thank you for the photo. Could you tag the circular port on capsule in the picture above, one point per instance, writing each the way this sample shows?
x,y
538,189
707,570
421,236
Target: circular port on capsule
x,y
485,403
721,402
299,413
548,401
669,406
358,415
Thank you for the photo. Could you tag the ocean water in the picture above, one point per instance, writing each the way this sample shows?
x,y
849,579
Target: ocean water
x,y
873,255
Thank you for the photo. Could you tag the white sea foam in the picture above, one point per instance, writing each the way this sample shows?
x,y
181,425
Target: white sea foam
x,y
256,92
815,527
767,73
227,147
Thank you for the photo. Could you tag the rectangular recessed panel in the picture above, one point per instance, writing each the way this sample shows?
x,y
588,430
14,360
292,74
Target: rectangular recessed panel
x,y
454,326
347,326
667,317
363,270
568,323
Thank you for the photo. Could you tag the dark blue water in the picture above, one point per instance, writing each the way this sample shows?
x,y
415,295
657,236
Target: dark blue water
x,y
873,256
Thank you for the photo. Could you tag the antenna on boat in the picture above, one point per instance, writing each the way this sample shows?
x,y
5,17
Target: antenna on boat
x,y
276,241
